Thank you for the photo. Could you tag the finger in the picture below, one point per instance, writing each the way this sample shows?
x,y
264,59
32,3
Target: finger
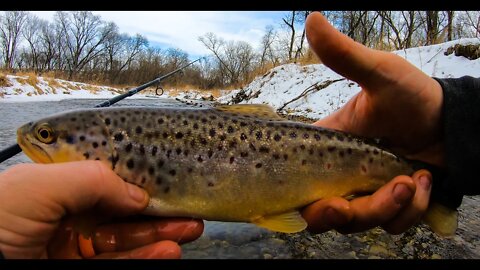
x,y
127,236
380,207
412,214
64,243
327,214
77,186
372,69
161,250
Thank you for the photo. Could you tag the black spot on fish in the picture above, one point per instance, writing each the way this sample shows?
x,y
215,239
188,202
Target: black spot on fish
x,y
285,156
138,130
172,172
128,147
294,150
233,143
189,169
277,137
160,163
166,190
210,153
173,121
179,135
242,124
243,137
258,165
151,170
234,121
210,184
73,119
204,120
122,119
329,166
349,151
293,134
70,139
95,144
232,159
341,153
130,164
263,149
304,162
202,140
364,169
306,135
367,151
320,153
244,154
160,121
220,125
141,149
275,156
258,135
220,147
118,137
375,152
104,143
169,152
185,122
86,155
192,143
164,135
178,151
222,137
252,146
302,147
331,148
185,152
195,126
317,136
310,151
230,129
82,138
213,117
340,138
212,132
107,121
370,160
200,159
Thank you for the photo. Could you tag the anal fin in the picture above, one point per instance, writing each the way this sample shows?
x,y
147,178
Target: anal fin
x,y
290,222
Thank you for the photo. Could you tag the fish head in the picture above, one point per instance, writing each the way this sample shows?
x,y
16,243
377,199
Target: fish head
x,y
72,136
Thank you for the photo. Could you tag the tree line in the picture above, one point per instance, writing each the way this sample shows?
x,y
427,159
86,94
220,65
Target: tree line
x,y
78,45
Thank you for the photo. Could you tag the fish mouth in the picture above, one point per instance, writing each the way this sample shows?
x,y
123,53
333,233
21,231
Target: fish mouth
x,y
32,150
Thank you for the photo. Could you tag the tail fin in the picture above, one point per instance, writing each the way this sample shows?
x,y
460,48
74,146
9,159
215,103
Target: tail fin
x,y
441,216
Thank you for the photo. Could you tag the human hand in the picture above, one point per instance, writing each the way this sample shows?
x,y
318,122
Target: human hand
x,y
399,104
40,204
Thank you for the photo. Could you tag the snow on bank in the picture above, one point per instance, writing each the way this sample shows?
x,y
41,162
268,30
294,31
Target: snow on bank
x,y
30,88
284,83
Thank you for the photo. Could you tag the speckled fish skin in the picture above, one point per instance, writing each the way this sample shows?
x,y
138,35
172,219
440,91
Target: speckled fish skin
x,y
219,165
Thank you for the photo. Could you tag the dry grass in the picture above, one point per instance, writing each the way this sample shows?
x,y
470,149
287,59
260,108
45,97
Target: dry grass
x,y
31,80
4,81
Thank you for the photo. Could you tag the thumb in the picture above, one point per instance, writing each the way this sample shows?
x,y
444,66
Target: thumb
x,y
74,187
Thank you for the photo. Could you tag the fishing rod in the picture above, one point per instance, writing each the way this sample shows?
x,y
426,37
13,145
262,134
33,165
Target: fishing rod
x,y
15,149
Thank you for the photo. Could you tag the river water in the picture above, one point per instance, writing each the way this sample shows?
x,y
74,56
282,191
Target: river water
x,y
246,241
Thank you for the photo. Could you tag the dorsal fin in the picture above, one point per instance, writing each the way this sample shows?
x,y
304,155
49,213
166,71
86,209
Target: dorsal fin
x,y
257,110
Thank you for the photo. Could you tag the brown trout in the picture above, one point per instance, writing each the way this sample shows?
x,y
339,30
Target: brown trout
x,y
238,163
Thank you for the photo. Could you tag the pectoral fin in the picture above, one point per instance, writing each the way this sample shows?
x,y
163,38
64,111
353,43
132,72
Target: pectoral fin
x,y
442,220
290,222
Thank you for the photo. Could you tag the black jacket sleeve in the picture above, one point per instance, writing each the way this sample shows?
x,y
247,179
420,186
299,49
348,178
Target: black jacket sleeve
x,y
461,119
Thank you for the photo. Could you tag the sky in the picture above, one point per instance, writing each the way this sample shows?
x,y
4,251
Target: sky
x,y
181,29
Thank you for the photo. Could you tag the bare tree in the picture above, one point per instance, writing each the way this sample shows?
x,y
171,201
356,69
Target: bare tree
x,y
266,50
84,34
32,34
289,21
450,15
11,24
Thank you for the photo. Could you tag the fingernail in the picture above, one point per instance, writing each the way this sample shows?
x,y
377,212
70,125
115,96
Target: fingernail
x,y
334,217
425,182
136,193
402,194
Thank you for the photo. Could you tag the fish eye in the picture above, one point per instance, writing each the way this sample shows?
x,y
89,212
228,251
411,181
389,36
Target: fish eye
x,y
45,133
